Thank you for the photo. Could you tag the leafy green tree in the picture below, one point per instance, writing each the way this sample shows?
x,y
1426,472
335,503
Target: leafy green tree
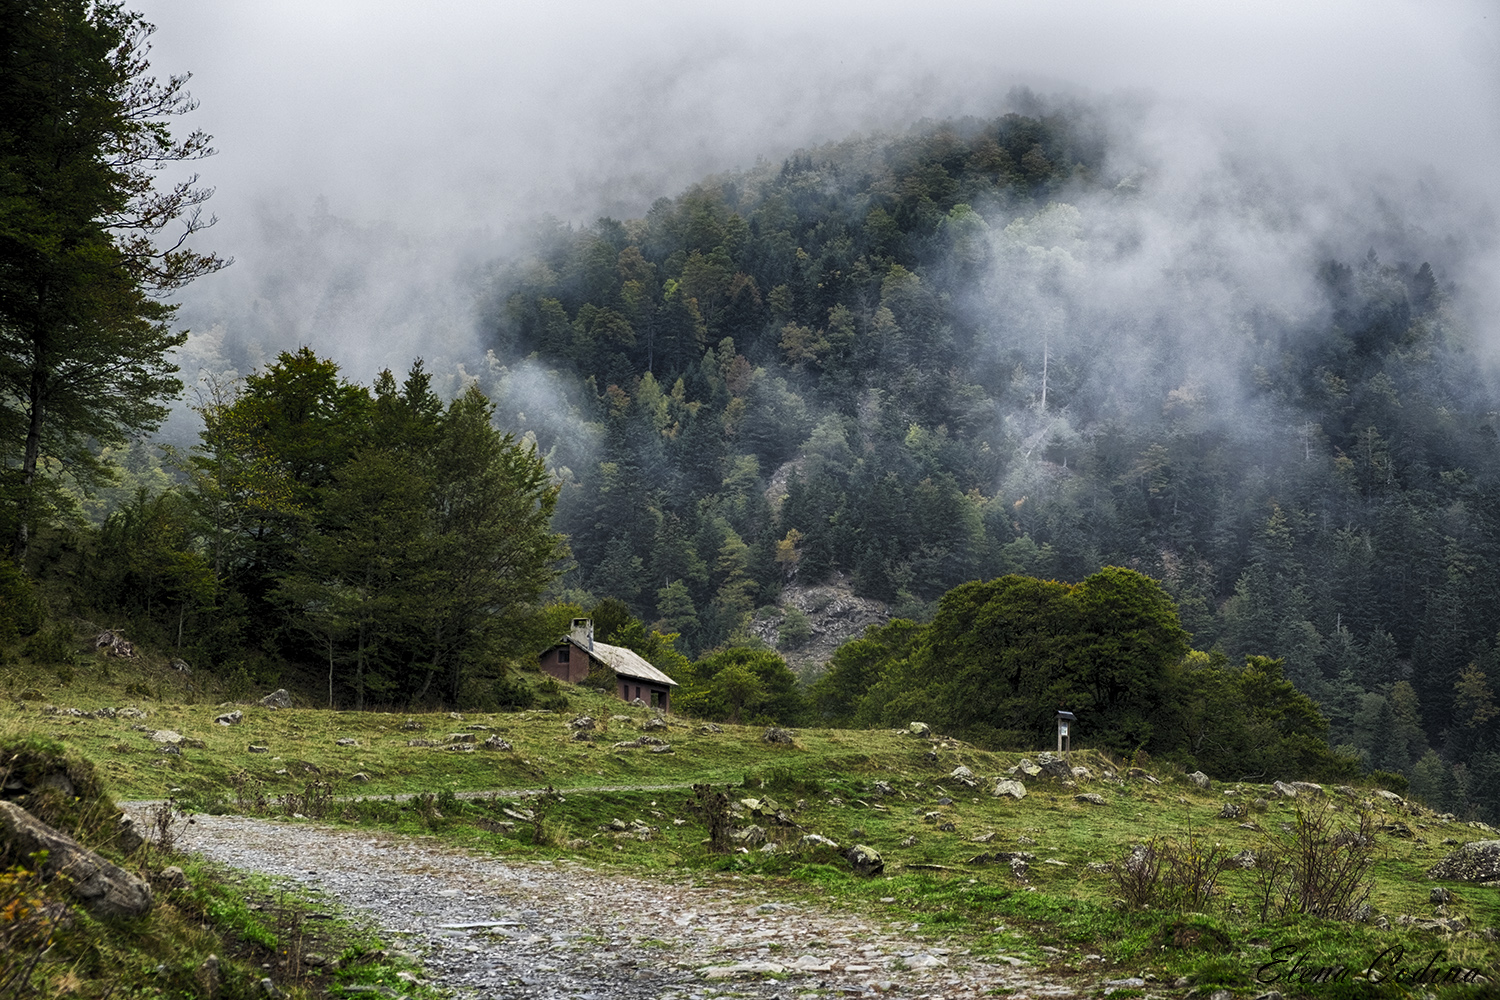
x,y
84,341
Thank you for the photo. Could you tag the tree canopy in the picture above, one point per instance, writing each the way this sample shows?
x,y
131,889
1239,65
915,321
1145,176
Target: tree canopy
x,y
84,340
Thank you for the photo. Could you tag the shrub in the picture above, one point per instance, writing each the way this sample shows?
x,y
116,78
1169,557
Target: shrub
x,y
1313,867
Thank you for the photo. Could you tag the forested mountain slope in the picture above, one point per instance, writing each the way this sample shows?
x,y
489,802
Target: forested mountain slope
x,y
980,348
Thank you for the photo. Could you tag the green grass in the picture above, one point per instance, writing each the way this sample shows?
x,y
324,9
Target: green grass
x,y
1063,917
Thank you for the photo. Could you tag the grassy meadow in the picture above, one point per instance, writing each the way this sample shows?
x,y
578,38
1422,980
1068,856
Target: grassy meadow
x,y
1044,879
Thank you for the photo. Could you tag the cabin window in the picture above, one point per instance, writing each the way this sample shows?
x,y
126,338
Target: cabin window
x,y
562,654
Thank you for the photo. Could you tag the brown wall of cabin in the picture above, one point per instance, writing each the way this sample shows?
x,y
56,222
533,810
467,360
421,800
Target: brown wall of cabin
x,y
574,671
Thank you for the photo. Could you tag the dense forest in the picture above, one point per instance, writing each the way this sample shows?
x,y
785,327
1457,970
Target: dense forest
x,y
882,360
905,363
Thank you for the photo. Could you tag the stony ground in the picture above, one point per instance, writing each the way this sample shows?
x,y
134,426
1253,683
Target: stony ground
x,y
498,929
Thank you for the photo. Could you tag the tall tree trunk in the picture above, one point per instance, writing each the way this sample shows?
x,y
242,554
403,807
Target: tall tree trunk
x,y
21,544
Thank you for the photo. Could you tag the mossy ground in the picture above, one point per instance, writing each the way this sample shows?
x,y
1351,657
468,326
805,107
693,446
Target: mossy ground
x,y
1063,916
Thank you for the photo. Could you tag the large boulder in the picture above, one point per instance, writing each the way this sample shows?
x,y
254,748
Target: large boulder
x,y
865,860
1478,861
104,888
280,698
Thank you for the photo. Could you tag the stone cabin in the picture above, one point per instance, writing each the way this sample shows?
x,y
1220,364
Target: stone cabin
x,y
577,653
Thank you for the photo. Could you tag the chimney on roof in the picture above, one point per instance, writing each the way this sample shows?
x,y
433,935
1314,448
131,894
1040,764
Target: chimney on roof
x,y
583,633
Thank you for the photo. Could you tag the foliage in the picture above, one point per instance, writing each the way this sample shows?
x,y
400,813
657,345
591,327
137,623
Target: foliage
x,y
84,341
410,541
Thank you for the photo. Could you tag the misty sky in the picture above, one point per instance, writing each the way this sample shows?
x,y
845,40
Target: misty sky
x,y
454,120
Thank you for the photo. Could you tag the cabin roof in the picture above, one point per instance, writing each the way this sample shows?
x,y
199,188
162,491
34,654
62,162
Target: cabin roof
x,y
624,662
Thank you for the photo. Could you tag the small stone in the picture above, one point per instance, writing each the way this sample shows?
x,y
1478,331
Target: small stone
x,y
346,742
257,748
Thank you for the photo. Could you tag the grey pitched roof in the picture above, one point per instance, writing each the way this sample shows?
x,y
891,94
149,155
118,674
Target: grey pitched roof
x,y
625,662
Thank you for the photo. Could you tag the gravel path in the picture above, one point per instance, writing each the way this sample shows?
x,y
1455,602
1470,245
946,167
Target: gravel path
x,y
499,929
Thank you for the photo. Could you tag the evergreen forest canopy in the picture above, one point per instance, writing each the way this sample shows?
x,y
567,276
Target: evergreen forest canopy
x,y
888,360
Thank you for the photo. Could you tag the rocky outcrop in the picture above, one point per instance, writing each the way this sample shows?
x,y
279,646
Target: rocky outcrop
x,y
1474,862
104,888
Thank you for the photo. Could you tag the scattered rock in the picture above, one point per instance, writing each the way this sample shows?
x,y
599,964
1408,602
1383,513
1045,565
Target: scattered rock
x,y
1055,767
1439,895
496,743
1309,789
1283,790
412,725
921,729
654,723
1200,779
1141,775
127,838
180,666
106,890
964,776
778,735
257,748
359,777
165,736
469,737
279,698
1231,811
1092,798
709,728
230,718
346,741
1010,787
115,644
172,877
583,722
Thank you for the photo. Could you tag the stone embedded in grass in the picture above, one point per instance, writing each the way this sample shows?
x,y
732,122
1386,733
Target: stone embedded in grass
x,y
460,737
346,742
1200,779
257,748
1231,811
165,736
1055,767
583,722
921,729
964,776
865,860
1309,788
1009,787
1092,798
1026,769
421,743
1283,790
778,735
230,718
496,743
280,698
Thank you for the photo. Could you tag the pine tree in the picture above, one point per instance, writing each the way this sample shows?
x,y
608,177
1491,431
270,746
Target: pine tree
x,y
84,342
